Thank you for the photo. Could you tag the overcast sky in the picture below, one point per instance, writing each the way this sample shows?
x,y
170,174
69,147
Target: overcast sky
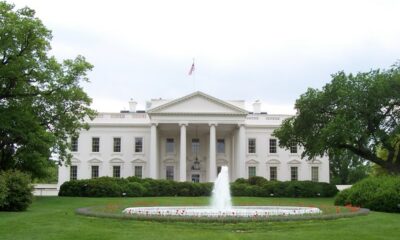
x,y
244,50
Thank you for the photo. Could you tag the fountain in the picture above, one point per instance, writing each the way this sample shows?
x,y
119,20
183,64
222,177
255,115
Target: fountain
x,y
221,206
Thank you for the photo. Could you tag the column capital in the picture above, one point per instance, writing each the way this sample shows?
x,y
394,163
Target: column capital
x,y
153,124
241,124
183,124
212,124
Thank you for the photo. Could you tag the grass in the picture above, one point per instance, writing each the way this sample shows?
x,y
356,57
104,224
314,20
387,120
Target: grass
x,y
54,218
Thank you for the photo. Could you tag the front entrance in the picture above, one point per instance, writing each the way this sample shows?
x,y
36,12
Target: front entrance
x,y
195,178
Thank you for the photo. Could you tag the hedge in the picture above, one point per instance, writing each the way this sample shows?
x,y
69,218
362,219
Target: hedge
x,y
376,193
136,187
15,191
260,187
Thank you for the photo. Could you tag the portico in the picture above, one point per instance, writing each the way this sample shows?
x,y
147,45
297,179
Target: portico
x,y
199,123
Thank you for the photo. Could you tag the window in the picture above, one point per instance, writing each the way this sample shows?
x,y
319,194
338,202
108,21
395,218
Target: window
x,y
117,144
252,145
138,145
74,144
272,145
170,145
195,146
252,172
170,173
220,145
95,144
293,173
117,171
138,171
314,174
273,173
195,178
73,173
95,171
293,147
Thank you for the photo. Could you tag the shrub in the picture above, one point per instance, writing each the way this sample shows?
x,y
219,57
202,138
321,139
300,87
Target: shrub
x,y
256,180
19,191
132,187
375,193
3,191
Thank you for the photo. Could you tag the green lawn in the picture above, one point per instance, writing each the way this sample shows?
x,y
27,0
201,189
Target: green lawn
x,y
54,218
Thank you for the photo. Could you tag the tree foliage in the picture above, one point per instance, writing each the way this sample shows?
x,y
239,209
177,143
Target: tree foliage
x,y
347,168
41,100
359,113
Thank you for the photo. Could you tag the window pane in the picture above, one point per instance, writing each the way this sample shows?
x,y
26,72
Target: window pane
x,y
293,147
117,144
314,174
252,172
170,173
138,145
138,171
170,145
74,144
272,145
273,173
220,145
117,171
293,174
73,173
195,146
95,144
252,145
95,171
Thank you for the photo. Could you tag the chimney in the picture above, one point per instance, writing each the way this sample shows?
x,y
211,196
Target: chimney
x,y
257,106
132,105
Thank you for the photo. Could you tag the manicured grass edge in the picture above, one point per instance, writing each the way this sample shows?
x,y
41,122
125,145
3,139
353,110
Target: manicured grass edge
x,y
88,211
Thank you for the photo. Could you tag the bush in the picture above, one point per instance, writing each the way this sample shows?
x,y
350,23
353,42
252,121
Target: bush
x,y
256,180
18,194
3,191
375,193
258,187
132,187
136,187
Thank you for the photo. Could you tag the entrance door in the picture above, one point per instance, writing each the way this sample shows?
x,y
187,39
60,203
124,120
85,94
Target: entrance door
x,y
195,178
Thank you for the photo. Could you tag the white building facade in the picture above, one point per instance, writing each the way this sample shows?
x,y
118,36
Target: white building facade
x,y
188,139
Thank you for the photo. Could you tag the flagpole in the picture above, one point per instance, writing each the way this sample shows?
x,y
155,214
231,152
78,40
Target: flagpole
x,y
194,78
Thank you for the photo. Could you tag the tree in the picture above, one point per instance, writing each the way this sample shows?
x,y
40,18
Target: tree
x,y
41,101
347,168
359,113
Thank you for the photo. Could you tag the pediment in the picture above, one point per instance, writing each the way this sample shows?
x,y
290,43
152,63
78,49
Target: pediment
x,y
95,160
252,161
116,160
294,162
75,160
197,103
315,161
273,161
138,160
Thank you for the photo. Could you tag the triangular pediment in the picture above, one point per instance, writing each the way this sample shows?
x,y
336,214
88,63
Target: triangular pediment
x,y
197,103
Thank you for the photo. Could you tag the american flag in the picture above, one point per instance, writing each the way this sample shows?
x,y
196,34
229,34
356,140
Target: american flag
x,y
191,69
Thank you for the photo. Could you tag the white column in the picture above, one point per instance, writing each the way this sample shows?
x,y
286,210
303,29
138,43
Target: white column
x,y
241,158
153,152
182,161
212,173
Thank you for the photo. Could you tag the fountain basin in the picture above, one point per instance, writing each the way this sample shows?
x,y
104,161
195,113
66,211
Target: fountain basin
x,y
240,212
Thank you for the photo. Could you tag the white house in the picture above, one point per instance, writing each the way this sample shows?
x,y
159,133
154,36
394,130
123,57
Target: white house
x,y
188,139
